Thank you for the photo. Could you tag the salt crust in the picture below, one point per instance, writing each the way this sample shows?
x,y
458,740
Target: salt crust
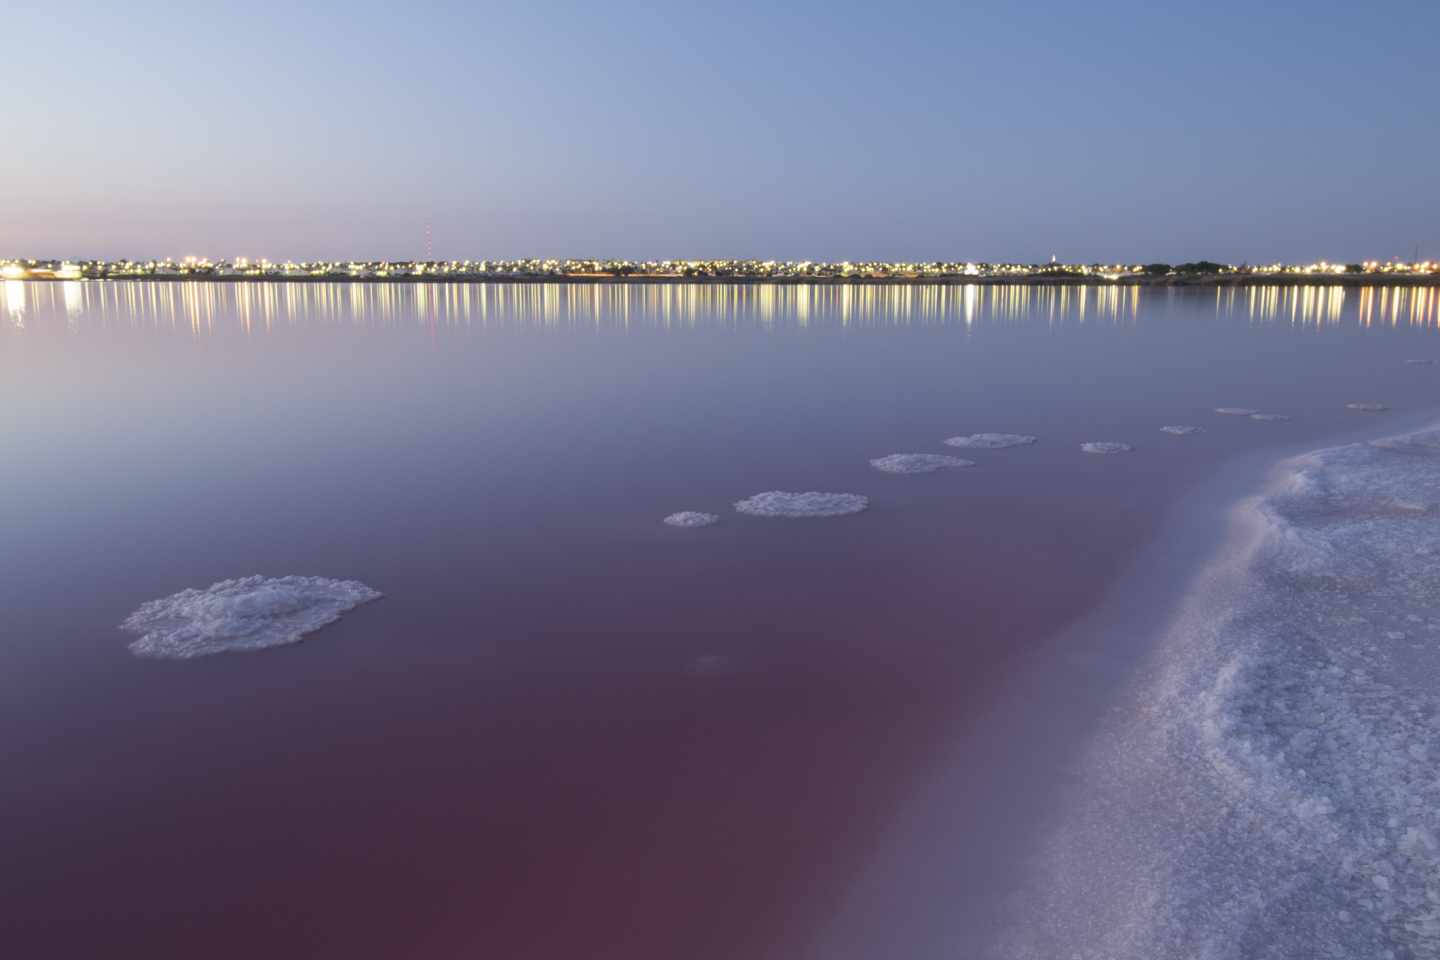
x,y
919,463
781,503
992,441
1273,790
250,613
691,518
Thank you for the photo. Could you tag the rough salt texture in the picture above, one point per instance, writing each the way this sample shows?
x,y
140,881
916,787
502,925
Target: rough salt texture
x,y
1105,446
250,613
780,503
691,518
919,463
1270,417
1181,431
1274,790
992,441
1422,362
1236,411
1367,407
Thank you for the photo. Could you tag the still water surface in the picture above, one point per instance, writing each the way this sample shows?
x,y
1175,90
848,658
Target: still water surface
x,y
568,729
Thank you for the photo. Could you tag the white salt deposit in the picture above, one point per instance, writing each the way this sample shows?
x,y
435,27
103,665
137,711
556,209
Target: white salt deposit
x,y
919,463
691,518
1422,362
250,613
992,441
1105,446
1180,431
1273,790
1269,417
1367,407
779,503
1236,411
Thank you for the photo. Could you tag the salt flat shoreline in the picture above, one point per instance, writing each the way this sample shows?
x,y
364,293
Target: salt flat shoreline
x,y
1201,282
991,845
1249,868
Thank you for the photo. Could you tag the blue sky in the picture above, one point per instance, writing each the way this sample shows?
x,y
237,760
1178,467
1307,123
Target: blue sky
x,y
821,130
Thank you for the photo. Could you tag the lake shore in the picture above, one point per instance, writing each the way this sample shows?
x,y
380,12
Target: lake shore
x,y
1032,852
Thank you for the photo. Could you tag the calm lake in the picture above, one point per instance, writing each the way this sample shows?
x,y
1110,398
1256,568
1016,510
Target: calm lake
x,y
569,730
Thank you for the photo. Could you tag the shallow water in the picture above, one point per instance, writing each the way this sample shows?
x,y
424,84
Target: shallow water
x,y
516,752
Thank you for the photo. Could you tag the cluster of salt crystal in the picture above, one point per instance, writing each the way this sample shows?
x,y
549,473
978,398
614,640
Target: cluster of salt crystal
x,y
691,518
918,463
1180,431
992,441
1367,407
250,613
782,503
1105,446
1252,414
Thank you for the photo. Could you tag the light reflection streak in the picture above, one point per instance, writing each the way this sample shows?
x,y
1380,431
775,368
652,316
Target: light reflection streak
x,y
257,308
1331,306
14,293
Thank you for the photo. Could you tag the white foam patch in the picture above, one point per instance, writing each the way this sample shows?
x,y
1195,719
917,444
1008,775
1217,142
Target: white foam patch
x,y
1367,407
1269,417
1180,430
1236,411
250,613
1105,446
919,463
780,503
1274,790
992,441
691,518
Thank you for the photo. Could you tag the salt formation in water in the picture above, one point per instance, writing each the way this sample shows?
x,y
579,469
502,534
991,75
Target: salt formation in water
x,y
1422,362
1367,407
250,613
919,463
709,665
1274,790
691,518
992,441
1106,446
1236,411
779,503
1180,431
1271,417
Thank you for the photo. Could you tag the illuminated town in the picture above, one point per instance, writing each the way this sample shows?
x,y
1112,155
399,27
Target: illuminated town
x,y
732,271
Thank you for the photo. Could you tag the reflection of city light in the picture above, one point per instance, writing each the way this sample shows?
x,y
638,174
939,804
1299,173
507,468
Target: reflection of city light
x,y
257,308
15,301
74,298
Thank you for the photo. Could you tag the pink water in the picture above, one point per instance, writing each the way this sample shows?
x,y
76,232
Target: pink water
x,y
569,730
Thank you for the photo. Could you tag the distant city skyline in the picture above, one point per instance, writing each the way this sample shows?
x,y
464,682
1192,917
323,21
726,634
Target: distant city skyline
x,y
1102,133
740,270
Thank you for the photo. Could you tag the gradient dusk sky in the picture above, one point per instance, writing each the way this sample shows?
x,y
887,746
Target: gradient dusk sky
x,y
1245,132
